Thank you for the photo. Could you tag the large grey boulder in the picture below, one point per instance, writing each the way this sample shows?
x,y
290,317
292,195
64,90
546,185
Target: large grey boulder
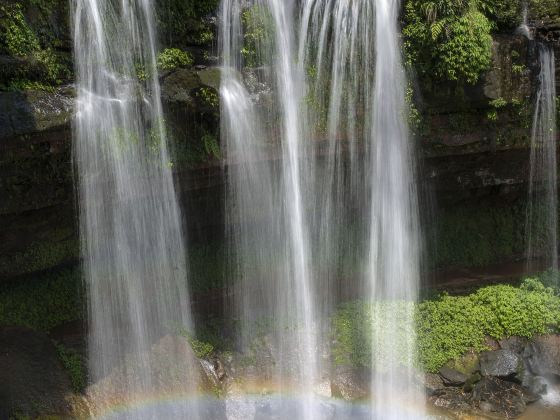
x,y
501,363
452,377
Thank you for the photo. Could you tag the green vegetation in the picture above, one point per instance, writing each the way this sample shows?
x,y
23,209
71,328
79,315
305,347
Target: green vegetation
x,y
257,22
174,58
74,365
181,22
478,235
449,38
211,146
38,63
209,96
41,256
545,9
496,104
42,303
16,37
450,326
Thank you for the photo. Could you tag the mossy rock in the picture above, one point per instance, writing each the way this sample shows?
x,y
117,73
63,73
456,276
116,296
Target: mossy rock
x,y
211,77
39,256
466,364
179,86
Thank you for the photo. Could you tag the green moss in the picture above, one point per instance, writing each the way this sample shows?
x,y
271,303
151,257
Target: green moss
x,y
74,365
43,302
478,235
40,62
449,327
62,247
174,58
544,9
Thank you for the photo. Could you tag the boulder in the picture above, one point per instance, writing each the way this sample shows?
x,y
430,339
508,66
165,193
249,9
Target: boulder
x,y
350,384
501,363
33,381
175,369
179,86
515,344
433,383
471,381
452,377
451,398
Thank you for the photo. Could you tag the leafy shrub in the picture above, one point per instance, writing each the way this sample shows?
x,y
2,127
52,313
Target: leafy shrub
x,y
467,49
449,38
174,58
448,327
16,37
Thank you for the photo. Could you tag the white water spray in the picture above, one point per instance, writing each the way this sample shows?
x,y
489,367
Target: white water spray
x,y
130,222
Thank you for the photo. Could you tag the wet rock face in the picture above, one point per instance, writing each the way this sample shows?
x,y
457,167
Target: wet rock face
x,y
350,384
543,355
32,379
506,79
501,363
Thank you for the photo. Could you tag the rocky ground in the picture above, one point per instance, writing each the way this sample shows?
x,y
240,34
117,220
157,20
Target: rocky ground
x,y
499,383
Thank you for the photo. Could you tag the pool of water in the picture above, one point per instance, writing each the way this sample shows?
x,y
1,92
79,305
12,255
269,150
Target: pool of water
x,y
256,408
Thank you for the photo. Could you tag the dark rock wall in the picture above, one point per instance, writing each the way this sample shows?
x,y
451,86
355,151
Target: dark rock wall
x,y
473,142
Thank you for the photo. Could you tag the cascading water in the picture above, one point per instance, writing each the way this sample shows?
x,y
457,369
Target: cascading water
x,y
130,222
273,281
394,234
542,212
296,223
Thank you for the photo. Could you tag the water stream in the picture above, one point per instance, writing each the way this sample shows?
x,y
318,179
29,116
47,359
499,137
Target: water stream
x,y
542,212
322,180
130,223
393,273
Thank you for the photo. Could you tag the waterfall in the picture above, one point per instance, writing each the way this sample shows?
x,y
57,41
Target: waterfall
x,y
542,212
130,222
394,234
266,203
321,184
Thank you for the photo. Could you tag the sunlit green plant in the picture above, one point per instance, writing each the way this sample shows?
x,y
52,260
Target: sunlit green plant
x,y
174,58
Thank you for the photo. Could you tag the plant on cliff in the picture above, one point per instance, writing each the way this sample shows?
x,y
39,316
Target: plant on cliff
x,y
19,40
257,24
449,326
16,37
174,58
449,38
